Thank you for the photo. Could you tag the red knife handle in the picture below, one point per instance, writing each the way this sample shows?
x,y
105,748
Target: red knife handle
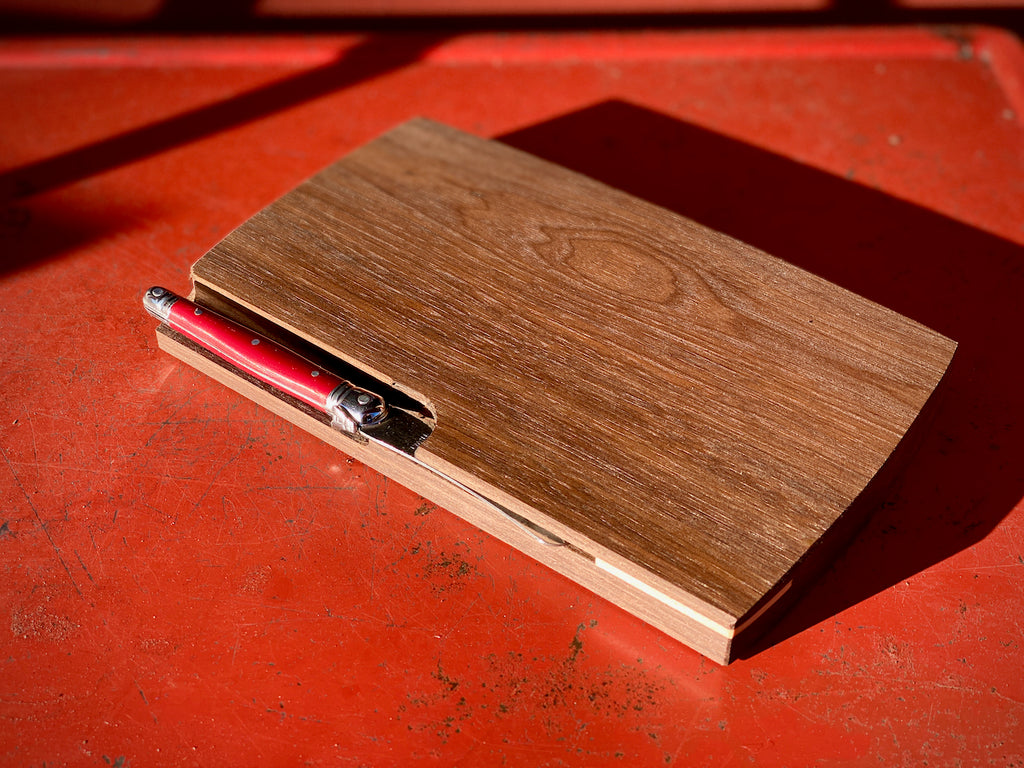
x,y
351,407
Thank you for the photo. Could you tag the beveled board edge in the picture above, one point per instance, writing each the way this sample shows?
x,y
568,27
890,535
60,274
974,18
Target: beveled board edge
x,y
698,625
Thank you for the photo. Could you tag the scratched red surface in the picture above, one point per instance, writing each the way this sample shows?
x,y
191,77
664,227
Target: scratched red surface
x,y
187,580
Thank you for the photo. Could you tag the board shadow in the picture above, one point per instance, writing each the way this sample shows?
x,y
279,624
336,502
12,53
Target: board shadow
x,y
968,471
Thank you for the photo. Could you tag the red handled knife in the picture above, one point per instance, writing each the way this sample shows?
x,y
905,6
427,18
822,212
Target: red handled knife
x,y
356,411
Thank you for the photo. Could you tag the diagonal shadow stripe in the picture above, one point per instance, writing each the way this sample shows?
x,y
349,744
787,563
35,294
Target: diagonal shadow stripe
x,y
372,57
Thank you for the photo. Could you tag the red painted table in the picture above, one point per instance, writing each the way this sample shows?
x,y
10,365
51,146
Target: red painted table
x,y
190,581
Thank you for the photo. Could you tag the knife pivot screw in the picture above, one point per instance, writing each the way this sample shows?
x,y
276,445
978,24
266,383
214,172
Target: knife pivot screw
x,y
363,399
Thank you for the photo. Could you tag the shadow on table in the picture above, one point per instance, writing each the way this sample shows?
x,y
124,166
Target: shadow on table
x,y
968,473
376,55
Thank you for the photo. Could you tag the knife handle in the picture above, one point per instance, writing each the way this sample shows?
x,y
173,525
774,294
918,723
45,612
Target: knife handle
x,y
349,406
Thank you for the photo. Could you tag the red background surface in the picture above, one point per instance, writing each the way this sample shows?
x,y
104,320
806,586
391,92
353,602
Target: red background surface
x,y
188,580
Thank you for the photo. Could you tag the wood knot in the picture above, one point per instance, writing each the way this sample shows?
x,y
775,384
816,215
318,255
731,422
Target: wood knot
x,y
622,268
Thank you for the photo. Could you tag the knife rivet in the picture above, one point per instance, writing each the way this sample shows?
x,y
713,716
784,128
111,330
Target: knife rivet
x,y
315,373
363,399
255,342
198,311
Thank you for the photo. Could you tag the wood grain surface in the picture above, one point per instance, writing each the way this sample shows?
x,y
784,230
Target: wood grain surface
x,y
691,409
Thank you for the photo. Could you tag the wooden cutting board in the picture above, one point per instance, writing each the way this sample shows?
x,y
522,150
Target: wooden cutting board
x,y
681,419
